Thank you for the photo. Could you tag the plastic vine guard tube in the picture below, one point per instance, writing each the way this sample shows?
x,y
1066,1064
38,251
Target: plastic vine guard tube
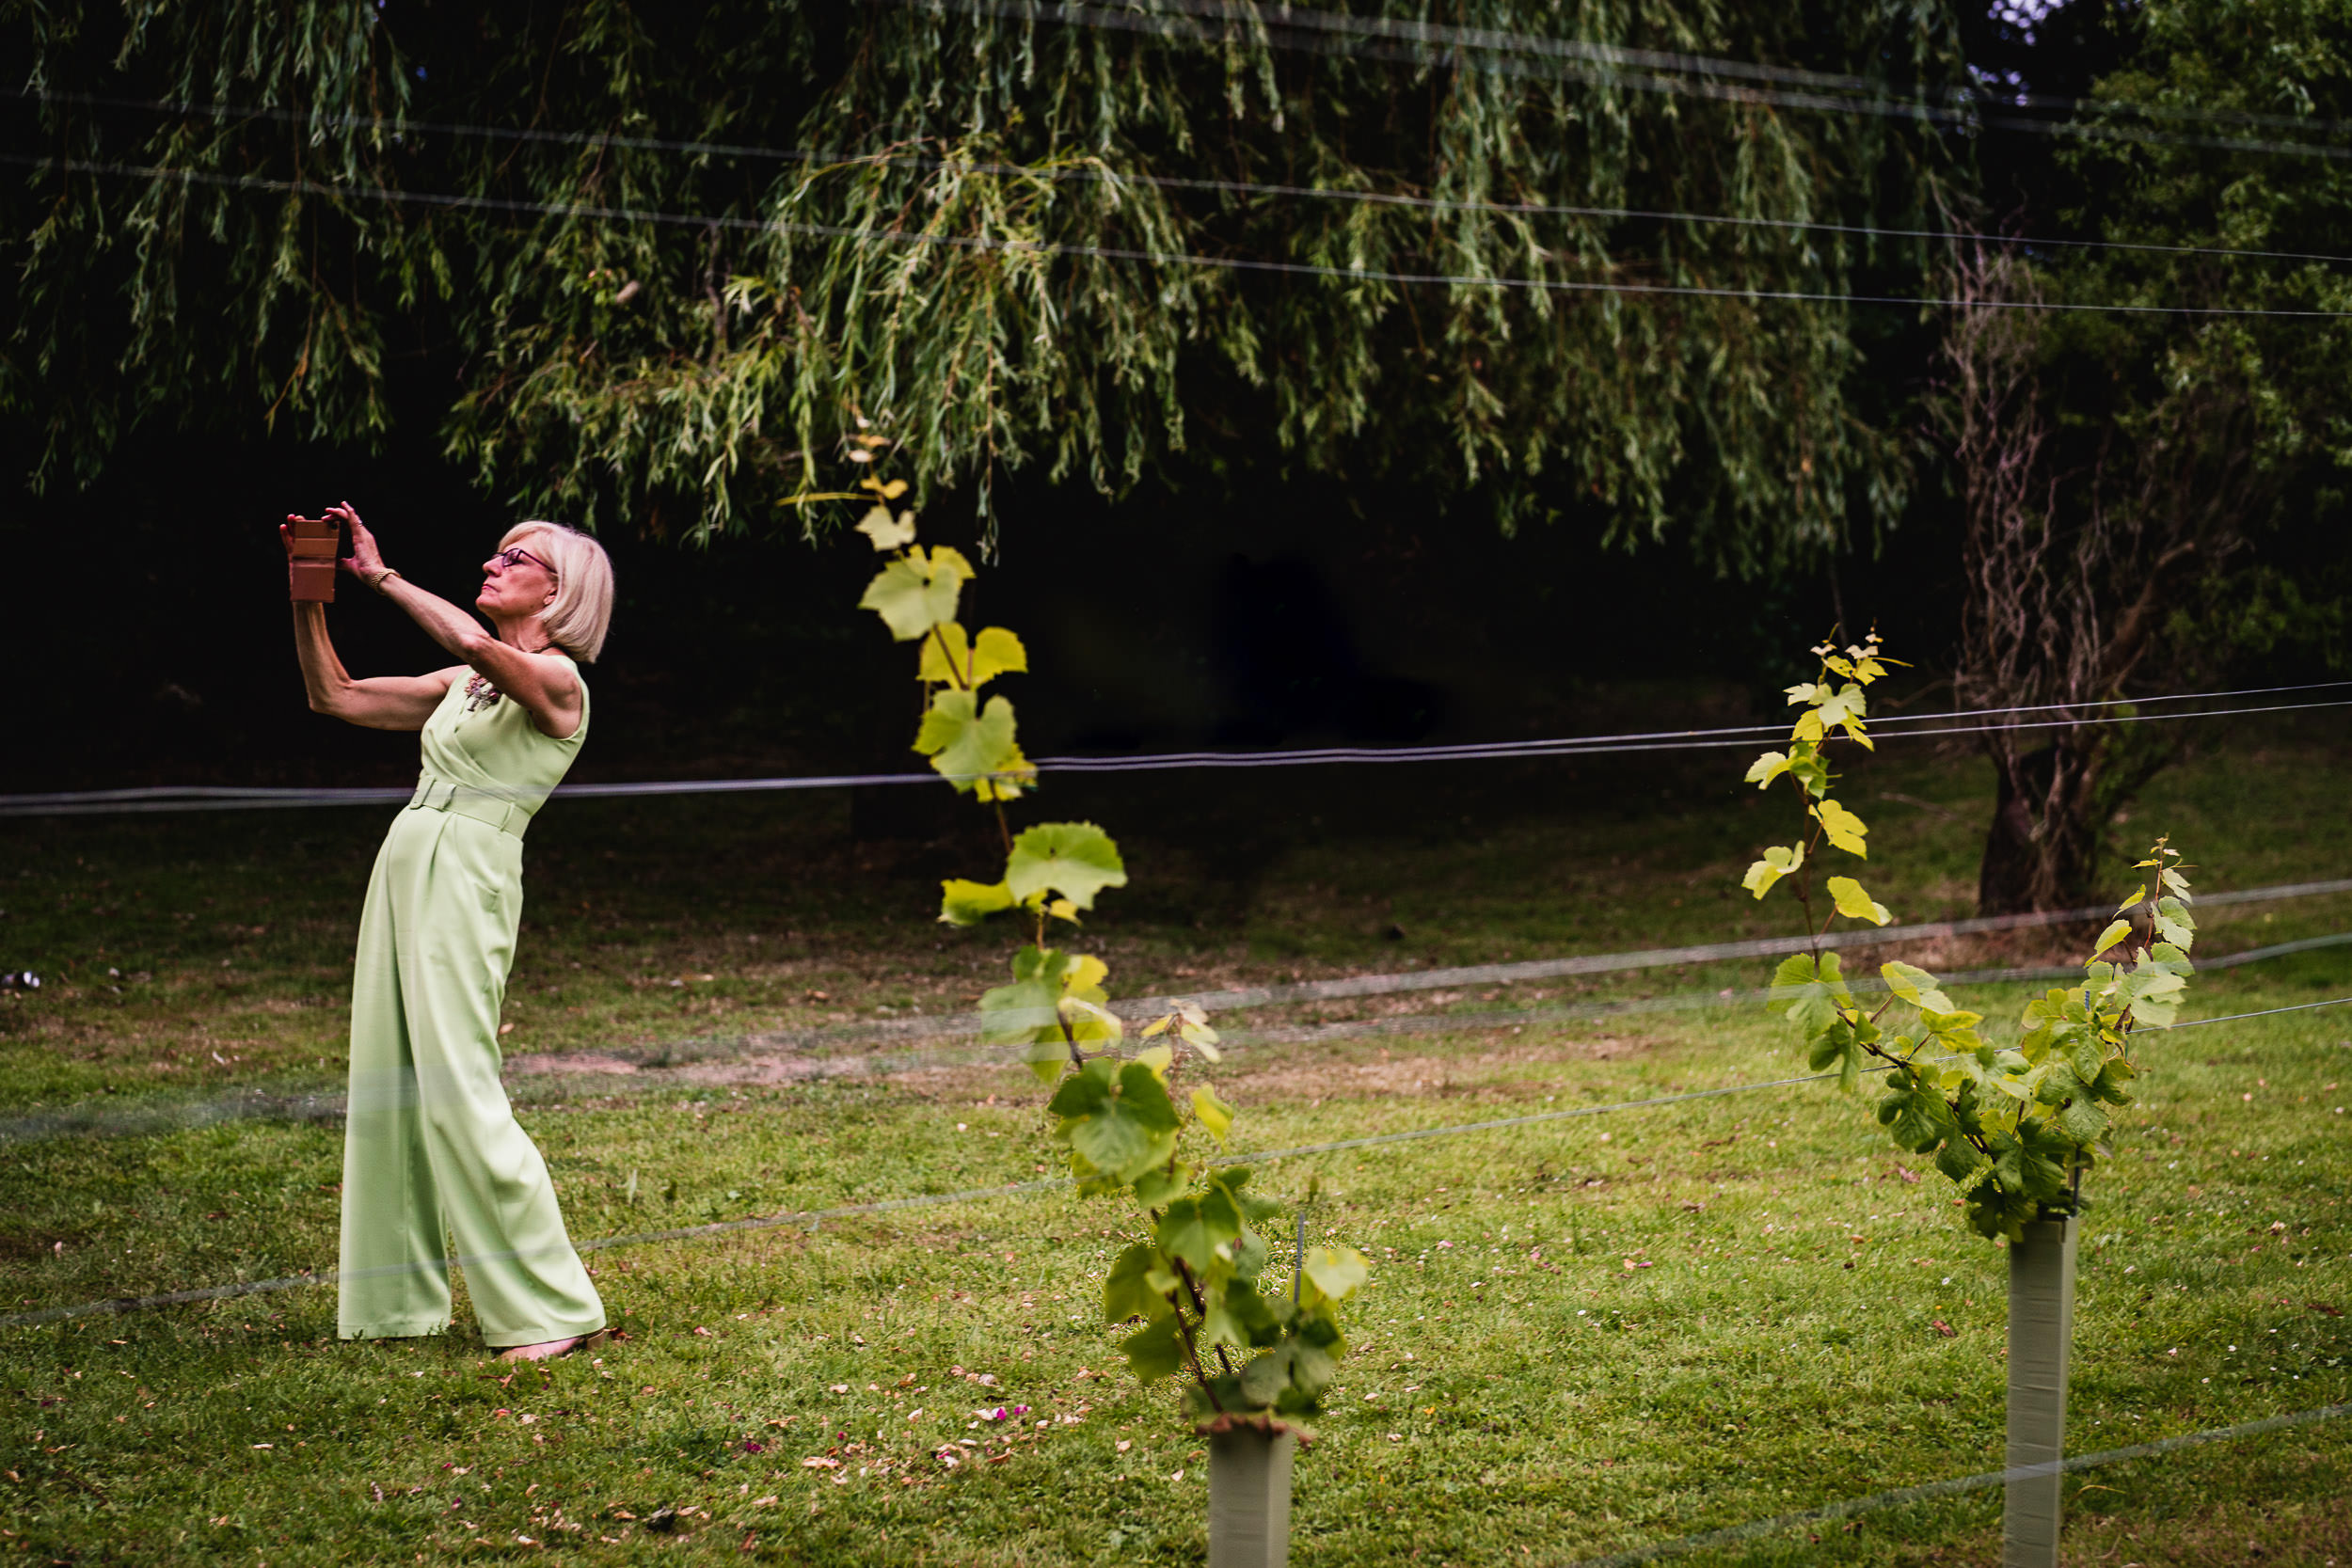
x,y
2040,1329
1249,1493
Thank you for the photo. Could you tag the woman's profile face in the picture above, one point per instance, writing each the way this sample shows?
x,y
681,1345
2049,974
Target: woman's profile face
x,y
516,582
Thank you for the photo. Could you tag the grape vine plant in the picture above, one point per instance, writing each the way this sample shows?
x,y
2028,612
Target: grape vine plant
x,y
1198,1287
2016,1127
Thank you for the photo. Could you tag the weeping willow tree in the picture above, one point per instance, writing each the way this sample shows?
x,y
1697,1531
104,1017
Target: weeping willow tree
x,y
659,262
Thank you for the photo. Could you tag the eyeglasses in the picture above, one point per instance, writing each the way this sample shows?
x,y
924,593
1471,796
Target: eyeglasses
x,y
518,555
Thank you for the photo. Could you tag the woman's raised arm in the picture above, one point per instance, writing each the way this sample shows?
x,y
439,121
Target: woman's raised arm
x,y
379,703
545,687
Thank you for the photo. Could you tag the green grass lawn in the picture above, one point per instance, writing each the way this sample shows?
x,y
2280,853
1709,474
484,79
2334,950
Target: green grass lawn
x,y
1582,1336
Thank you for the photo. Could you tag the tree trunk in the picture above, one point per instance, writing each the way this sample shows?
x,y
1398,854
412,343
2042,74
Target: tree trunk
x,y
2070,573
2005,879
2042,851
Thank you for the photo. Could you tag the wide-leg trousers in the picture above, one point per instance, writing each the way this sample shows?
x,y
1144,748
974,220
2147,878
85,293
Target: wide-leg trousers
x,y
430,1142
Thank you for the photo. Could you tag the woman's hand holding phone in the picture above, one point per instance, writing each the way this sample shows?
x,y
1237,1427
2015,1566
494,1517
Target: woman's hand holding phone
x,y
366,559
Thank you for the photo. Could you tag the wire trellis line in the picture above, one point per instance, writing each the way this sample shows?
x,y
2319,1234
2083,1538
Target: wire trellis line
x,y
779,1057
461,202
1496,53
1490,50
1706,1539
177,797
812,1219
1097,173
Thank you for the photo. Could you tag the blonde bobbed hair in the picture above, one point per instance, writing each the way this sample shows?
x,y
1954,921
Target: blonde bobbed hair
x,y
582,607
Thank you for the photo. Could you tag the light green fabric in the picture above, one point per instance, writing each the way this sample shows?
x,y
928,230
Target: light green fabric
x,y
430,1142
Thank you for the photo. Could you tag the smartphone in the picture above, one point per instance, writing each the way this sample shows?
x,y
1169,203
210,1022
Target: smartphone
x,y
310,570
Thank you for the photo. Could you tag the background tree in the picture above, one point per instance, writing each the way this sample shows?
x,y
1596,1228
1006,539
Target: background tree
x,y
2057,615
1006,239
2138,485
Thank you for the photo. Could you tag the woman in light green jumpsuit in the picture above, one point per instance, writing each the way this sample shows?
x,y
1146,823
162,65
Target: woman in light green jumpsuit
x,y
430,1142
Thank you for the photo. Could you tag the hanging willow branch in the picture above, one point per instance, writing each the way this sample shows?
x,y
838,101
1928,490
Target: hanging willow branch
x,y
941,266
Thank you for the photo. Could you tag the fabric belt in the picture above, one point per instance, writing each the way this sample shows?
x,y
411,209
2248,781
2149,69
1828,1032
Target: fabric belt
x,y
507,817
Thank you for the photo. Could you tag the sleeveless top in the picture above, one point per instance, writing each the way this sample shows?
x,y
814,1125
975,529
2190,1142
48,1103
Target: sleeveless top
x,y
497,750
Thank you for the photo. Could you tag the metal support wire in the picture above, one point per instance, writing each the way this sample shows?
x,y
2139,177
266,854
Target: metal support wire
x,y
1092,173
1829,1514
114,1115
181,797
810,1218
1354,276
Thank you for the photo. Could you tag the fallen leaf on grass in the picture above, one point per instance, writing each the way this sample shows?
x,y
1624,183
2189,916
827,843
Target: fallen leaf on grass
x,y
1945,1329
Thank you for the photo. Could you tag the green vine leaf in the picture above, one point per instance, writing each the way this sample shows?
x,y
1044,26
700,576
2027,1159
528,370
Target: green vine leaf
x,y
967,903
1212,1113
1160,1185
1777,862
1268,1378
1029,1010
1200,1230
1843,827
2085,1120
1092,1023
973,746
2173,924
916,591
1844,711
1916,1117
1128,1292
1811,992
1854,903
1117,1117
948,658
1077,859
886,532
1156,1352
1915,986
1959,1161
1770,766
1337,1270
